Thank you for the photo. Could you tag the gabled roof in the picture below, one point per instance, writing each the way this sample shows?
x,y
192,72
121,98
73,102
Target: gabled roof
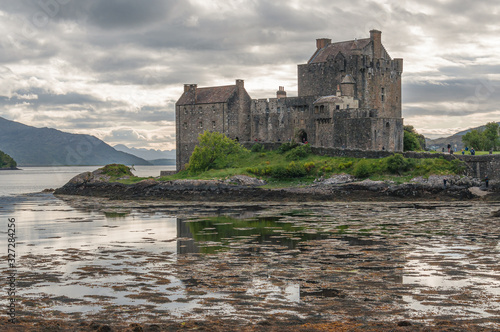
x,y
210,95
332,49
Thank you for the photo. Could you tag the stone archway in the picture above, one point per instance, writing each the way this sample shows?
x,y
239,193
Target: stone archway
x,y
302,136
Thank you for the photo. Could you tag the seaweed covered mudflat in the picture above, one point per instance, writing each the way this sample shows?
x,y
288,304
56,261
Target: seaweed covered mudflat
x,y
99,264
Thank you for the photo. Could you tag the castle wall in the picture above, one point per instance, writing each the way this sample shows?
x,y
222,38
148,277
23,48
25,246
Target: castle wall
x,y
378,83
193,120
276,120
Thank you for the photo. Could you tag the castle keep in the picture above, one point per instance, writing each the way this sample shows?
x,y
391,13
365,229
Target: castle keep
x,y
349,96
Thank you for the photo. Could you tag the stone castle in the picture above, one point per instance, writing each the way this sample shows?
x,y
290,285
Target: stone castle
x,y
349,96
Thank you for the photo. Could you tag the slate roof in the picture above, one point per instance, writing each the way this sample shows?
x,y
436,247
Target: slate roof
x,y
210,95
348,79
346,48
329,99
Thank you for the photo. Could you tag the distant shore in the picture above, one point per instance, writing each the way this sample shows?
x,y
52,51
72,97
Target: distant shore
x,y
10,169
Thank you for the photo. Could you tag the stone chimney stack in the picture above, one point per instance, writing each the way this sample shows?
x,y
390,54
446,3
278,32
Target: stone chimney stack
x,y
322,42
192,90
376,38
281,93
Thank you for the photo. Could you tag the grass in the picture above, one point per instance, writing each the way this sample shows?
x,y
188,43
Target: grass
x,y
300,168
295,169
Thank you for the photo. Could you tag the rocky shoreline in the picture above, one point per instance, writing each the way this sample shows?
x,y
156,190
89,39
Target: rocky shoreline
x,y
247,189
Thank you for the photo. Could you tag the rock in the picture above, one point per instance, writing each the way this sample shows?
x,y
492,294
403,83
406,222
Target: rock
x,y
338,179
244,180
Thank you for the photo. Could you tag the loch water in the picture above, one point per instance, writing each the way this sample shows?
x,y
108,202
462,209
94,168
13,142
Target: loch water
x,y
89,258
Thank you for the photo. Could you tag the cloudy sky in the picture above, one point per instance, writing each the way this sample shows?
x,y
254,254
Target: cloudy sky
x,y
114,68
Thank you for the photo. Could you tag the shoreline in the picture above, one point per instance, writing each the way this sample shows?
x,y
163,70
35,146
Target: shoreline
x,y
247,189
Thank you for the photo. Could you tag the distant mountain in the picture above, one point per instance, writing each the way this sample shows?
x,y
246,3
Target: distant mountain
x,y
455,140
150,154
31,146
162,162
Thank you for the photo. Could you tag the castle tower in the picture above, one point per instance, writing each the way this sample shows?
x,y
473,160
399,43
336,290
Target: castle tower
x,y
348,84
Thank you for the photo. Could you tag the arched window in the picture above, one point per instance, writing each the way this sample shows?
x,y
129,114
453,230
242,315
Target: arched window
x,y
322,109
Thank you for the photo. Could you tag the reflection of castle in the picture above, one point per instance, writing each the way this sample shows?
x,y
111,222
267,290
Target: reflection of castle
x,y
185,241
349,96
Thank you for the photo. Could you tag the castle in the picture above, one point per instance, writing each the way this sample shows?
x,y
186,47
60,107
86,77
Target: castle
x,y
349,96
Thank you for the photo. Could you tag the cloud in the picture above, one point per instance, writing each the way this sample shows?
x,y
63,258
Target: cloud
x,y
101,65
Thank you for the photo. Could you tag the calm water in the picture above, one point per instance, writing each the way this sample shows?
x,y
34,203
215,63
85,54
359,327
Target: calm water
x,y
36,179
92,259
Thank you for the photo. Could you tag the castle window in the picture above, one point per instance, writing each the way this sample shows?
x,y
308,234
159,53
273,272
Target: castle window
x,y
279,109
185,125
316,109
185,110
383,94
347,106
337,107
322,109
200,124
213,124
387,125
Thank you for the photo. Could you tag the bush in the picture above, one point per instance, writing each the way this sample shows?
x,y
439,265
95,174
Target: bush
x,y
285,147
213,151
345,165
362,169
397,164
299,152
116,170
257,147
309,166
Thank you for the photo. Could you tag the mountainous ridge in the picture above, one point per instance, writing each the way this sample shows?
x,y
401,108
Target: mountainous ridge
x,y
31,146
455,140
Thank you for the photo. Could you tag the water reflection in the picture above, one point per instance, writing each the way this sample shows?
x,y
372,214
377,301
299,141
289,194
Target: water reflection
x,y
136,258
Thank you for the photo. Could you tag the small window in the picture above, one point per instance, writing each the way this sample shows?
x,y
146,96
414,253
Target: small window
x,y
347,106
337,107
322,109
201,124
185,125
279,109
383,94
213,124
185,110
316,109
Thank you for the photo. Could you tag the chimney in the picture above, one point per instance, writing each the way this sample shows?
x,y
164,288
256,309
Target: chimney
x,y
281,93
322,42
376,38
191,88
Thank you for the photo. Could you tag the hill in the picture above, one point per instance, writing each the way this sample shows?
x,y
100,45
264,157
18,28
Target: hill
x,y
455,140
147,154
31,146
6,161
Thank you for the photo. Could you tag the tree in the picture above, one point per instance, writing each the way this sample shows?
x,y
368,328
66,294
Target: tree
x,y
412,141
6,161
474,139
491,136
213,151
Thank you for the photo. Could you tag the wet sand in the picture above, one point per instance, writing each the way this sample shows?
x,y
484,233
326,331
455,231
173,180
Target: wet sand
x,y
402,266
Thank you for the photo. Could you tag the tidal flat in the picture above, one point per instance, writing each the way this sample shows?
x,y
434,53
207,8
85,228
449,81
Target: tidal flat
x,y
88,263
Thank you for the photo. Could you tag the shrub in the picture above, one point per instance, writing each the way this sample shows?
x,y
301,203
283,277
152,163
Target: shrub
x,y
397,163
213,151
257,147
345,165
116,170
309,166
362,169
299,152
285,147
296,170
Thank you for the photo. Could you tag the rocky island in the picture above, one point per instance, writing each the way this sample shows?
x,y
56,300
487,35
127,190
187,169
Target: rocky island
x,y
243,188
